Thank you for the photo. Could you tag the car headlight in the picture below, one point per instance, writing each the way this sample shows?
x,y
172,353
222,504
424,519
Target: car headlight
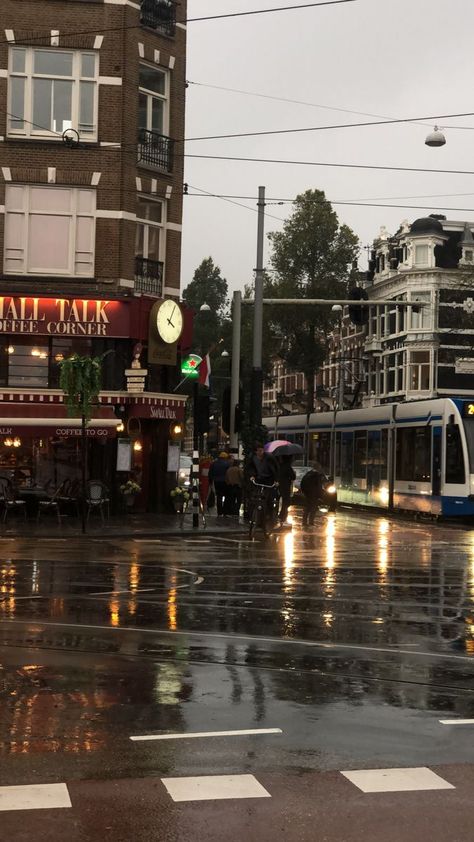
x,y
331,489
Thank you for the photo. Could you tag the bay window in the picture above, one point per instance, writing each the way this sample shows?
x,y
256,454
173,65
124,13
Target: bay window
x,y
49,230
51,90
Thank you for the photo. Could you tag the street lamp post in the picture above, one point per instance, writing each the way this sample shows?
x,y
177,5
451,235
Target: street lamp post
x,y
257,376
235,370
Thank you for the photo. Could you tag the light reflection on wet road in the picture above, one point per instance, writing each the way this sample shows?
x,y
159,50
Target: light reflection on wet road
x,y
352,638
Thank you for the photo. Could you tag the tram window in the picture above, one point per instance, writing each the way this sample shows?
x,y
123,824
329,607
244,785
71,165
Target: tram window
x,y
384,455
414,454
321,450
360,454
455,471
347,457
338,455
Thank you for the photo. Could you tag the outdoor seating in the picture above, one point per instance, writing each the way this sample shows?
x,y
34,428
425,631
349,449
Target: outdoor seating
x,y
51,505
8,500
98,498
70,493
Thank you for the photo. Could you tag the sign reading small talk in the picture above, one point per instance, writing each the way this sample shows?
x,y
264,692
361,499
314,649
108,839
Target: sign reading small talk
x,y
63,316
165,329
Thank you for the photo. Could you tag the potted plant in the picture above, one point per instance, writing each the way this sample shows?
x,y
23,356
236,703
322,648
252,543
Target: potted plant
x,y
179,497
129,490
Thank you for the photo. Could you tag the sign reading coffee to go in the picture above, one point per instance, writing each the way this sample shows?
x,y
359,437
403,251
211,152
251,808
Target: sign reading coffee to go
x,y
64,316
190,366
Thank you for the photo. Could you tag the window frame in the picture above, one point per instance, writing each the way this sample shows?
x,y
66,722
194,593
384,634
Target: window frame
x,y
419,365
418,320
147,224
29,131
165,98
73,214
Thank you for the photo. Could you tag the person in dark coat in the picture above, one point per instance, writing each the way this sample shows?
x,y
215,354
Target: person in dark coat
x,y
312,489
285,479
262,466
217,473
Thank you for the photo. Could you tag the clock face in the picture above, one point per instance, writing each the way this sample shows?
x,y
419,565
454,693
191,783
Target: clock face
x,y
169,321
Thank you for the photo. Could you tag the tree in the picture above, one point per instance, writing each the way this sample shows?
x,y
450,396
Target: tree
x,y
207,287
313,257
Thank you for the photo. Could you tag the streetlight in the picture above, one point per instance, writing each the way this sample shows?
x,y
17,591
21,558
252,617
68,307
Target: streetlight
x,y
204,308
435,138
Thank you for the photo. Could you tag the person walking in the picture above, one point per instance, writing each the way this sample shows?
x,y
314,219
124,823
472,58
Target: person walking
x,y
285,479
234,480
217,473
312,489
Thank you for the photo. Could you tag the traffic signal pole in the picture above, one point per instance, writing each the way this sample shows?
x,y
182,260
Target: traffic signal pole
x,y
257,376
235,373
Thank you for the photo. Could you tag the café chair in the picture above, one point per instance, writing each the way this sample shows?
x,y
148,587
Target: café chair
x,y
51,505
97,498
8,500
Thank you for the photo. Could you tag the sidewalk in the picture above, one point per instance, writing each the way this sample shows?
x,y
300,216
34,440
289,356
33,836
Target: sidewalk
x,y
130,526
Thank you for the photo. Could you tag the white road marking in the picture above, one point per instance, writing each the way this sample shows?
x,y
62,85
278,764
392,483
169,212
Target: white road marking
x,y
196,734
34,797
107,593
252,638
214,787
397,780
457,721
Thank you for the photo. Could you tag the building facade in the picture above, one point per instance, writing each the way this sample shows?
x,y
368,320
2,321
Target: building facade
x,y
91,175
427,351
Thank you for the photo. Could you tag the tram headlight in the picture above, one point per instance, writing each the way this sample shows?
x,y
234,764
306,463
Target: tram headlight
x,y
384,496
331,489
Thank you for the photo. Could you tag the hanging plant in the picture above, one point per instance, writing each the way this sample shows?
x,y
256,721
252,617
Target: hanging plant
x,y
81,381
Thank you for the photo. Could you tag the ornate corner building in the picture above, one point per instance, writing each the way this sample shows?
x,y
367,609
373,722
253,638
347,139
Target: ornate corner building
x,y
91,176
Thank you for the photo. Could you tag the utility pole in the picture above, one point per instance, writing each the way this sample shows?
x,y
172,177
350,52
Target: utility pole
x,y
235,372
257,377
195,470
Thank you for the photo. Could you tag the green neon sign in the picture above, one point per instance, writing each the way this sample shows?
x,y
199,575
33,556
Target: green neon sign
x,y
190,366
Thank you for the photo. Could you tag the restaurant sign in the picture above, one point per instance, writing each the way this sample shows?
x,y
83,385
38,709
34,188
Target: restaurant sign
x,y
64,317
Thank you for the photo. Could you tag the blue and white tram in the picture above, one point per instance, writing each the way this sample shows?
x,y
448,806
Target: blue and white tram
x,y
416,456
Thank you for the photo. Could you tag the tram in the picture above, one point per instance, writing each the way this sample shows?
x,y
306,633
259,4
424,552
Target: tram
x,y
416,456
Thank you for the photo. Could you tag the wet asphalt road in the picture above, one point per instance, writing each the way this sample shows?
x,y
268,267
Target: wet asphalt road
x,y
354,640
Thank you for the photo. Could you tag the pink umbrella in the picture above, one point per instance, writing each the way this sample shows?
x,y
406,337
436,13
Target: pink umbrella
x,y
281,447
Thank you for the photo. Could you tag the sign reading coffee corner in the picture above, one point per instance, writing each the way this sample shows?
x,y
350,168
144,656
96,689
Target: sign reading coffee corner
x,y
64,317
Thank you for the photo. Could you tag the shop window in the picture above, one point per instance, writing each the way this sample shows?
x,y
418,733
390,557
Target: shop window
x,y
419,371
51,91
455,471
61,349
49,230
28,362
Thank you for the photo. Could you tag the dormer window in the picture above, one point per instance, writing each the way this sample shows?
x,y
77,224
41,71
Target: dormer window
x,y
421,255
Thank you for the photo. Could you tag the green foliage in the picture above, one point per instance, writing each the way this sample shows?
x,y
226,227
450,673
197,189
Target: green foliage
x,y
312,257
207,287
81,381
252,433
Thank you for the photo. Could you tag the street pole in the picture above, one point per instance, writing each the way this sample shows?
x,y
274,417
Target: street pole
x,y
257,378
195,471
340,398
235,371
83,472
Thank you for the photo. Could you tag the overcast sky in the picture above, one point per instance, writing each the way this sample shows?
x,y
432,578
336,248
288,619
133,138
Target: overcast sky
x,y
407,58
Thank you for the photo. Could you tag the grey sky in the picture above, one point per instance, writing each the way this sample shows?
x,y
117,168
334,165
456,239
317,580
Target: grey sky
x,y
396,59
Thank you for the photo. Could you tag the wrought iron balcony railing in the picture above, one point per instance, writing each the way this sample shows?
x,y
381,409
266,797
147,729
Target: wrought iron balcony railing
x,y
149,276
159,15
155,150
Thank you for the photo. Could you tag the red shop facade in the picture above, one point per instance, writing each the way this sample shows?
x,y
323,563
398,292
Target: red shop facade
x,y
39,444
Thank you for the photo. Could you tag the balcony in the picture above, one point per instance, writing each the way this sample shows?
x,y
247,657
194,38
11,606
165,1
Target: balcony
x,y
149,276
155,150
159,15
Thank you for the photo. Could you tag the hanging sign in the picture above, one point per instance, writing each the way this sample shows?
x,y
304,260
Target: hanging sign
x,y
190,366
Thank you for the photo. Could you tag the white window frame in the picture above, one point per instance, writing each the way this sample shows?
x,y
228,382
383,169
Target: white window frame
x,y
425,314
29,129
165,98
150,223
419,366
426,261
74,216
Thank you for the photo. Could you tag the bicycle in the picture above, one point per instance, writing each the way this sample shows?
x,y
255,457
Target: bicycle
x,y
263,512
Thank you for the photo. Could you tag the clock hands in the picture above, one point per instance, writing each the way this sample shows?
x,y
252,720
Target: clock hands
x,y
171,316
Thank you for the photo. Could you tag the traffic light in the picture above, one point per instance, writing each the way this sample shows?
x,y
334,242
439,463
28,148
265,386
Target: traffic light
x,y
358,315
226,409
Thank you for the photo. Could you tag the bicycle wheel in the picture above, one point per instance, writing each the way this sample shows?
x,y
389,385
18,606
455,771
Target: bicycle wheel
x,y
253,522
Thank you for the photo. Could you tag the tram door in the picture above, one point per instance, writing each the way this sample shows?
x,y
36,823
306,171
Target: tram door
x,y
436,468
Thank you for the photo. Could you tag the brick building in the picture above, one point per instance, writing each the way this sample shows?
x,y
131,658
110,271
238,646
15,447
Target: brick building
x,y
91,173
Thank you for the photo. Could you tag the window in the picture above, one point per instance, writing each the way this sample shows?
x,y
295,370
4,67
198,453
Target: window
x,y
149,246
153,100
360,454
347,458
51,91
454,456
26,362
421,255
414,454
421,318
49,230
419,371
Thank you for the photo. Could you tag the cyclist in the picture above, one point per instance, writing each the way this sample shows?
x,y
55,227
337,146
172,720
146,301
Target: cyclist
x,y
262,468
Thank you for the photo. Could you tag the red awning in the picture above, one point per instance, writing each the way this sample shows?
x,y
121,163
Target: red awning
x,y
43,420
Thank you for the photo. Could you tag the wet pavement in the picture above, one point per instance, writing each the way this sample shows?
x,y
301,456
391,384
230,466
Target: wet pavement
x,y
349,643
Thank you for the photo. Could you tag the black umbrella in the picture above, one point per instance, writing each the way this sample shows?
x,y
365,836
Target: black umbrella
x,y
283,448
